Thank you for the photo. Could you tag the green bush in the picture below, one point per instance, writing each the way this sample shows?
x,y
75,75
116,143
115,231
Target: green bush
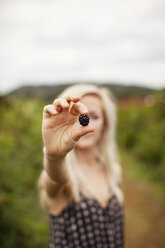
x,y
22,222
140,131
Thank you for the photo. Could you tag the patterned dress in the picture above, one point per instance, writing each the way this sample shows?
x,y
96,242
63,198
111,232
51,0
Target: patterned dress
x,y
88,225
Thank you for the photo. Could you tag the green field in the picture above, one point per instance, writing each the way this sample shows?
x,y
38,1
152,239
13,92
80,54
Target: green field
x,y
140,138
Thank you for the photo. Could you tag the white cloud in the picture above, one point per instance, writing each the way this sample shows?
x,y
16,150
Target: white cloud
x,y
52,41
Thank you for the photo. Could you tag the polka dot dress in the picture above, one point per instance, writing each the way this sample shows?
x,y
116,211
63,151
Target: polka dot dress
x,y
88,225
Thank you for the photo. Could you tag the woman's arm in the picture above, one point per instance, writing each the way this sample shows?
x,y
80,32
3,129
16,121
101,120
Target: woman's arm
x,y
53,196
61,131
55,167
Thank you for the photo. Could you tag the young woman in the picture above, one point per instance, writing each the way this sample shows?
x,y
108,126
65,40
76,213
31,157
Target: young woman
x,y
81,181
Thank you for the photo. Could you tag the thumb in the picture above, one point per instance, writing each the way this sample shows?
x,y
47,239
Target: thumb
x,y
79,130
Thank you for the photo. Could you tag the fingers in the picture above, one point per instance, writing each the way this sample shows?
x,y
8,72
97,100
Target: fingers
x,y
70,102
78,108
49,110
72,98
67,103
60,104
64,103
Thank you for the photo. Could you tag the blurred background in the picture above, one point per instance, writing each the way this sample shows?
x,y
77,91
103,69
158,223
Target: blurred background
x,y
46,46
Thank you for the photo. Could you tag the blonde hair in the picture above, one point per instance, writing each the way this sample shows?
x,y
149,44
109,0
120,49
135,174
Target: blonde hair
x,y
106,151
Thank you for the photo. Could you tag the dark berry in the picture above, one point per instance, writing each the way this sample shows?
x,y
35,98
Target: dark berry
x,y
83,119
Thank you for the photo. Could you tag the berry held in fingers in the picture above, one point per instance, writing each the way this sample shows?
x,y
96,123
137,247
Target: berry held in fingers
x,y
83,119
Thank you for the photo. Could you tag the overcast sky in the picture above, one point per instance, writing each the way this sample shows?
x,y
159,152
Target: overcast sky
x,y
46,41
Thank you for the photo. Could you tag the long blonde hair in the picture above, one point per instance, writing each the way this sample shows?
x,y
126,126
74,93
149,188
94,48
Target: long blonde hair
x,y
106,151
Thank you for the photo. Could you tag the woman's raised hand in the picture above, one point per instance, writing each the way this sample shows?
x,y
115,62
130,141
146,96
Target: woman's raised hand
x,y
60,126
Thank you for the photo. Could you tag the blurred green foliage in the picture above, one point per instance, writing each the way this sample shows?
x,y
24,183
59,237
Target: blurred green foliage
x,y
21,220
140,132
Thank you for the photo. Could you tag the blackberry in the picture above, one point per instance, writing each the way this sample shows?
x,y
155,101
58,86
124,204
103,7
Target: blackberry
x,y
83,119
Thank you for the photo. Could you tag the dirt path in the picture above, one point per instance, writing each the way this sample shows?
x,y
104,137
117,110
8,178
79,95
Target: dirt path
x,y
144,214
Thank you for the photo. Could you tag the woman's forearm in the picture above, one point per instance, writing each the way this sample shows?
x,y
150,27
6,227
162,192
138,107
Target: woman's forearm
x,y
55,167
